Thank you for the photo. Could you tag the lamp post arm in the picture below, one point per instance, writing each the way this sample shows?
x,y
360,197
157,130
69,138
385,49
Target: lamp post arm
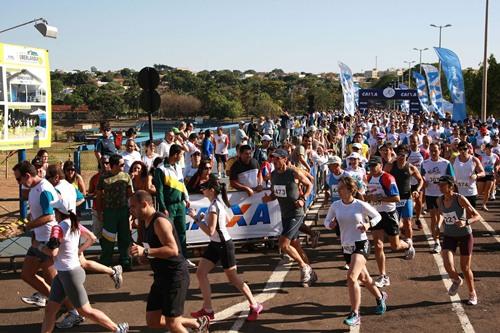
x,y
23,24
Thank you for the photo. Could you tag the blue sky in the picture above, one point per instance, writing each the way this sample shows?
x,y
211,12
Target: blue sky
x,y
308,36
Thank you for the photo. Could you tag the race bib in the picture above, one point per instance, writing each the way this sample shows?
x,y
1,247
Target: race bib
x,y
349,249
146,246
434,178
450,218
401,203
280,191
462,184
334,189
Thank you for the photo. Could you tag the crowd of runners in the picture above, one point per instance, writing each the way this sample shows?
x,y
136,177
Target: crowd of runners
x,y
381,172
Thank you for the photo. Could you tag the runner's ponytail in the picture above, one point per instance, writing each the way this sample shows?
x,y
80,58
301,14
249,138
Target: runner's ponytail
x,y
223,193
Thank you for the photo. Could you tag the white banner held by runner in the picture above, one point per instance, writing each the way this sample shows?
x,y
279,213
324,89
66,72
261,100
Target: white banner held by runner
x,y
248,217
347,88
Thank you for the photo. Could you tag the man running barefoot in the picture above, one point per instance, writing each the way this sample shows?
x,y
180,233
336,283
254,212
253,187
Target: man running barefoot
x,y
161,246
285,188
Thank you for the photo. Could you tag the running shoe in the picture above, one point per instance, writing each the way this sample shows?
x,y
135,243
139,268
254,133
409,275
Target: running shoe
x,y
190,264
454,286
117,276
381,306
315,239
492,196
410,252
485,208
436,248
353,319
472,300
305,275
36,299
203,312
419,225
255,311
71,320
122,328
382,281
346,267
204,323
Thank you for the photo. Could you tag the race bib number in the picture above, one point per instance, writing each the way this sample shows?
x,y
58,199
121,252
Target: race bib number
x,y
146,246
462,184
434,178
450,218
401,203
280,191
348,249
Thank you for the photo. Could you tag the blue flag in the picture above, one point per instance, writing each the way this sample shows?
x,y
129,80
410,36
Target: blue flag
x,y
423,96
405,104
453,72
435,93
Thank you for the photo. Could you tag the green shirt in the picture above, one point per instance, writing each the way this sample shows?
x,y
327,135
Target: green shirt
x,y
115,189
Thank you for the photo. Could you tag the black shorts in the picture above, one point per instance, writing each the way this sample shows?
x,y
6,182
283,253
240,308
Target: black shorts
x,y
34,252
169,294
361,247
473,200
431,202
389,223
291,227
464,243
221,158
223,252
487,178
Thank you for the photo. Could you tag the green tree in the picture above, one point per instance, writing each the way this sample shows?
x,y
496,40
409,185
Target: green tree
x,y
265,106
108,104
56,87
87,92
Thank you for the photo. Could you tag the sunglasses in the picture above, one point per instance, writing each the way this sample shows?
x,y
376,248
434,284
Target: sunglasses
x,y
105,163
72,169
207,168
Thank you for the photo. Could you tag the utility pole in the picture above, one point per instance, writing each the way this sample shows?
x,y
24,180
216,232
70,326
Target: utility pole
x,y
484,97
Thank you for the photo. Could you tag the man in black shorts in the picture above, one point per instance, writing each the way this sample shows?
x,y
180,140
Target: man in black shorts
x,y
161,246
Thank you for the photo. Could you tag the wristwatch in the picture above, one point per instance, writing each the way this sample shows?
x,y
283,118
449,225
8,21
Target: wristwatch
x,y
467,222
146,253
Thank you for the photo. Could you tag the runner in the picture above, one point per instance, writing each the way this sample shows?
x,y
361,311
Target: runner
x,y
160,244
41,193
457,232
403,172
64,246
432,169
490,162
285,187
220,249
468,169
221,151
350,215
383,194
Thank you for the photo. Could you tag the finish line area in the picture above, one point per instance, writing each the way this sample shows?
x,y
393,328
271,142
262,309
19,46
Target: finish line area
x,y
418,299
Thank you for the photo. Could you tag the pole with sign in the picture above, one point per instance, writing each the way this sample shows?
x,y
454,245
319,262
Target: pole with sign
x,y
149,99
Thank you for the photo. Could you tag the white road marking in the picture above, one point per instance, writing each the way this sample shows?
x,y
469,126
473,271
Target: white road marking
x,y
270,290
490,230
456,302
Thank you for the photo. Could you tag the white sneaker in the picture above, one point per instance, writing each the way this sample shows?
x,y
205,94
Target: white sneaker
x,y
346,267
436,248
382,281
35,299
305,275
190,264
71,320
410,252
472,300
122,328
117,276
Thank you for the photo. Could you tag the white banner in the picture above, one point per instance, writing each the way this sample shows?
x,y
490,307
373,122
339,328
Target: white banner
x,y
435,93
347,88
248,217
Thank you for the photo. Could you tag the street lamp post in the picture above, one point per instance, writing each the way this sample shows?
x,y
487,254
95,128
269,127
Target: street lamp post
x,y
420,62
41,25
409,70
440,30
484,97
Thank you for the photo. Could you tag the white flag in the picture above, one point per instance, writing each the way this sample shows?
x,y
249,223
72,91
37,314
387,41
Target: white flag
x,y
347,88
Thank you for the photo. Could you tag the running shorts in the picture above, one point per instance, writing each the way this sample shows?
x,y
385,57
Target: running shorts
x,y
169,294
431,202
389,223
361,247
291,227
221,251
464,243
69,284
405,208
34,252
221,158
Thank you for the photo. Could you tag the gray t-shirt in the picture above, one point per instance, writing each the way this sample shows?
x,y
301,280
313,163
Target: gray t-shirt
x,y
452,214
286,191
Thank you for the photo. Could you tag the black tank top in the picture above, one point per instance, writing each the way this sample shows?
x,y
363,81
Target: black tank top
x,y
172,266
403,178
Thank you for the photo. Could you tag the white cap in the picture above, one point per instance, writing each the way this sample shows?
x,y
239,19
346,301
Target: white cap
x,y
266,138
334,160
357,145
354,155
63,205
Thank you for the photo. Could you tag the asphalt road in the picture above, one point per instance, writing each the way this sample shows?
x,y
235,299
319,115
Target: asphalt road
x,y
418,299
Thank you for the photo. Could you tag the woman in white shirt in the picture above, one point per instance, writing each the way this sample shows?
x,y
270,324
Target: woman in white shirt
x,y
220,248
354,218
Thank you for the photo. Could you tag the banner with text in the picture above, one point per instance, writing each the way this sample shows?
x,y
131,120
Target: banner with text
x,y
453,72
25,100
423,96
248,217
435,92
347,88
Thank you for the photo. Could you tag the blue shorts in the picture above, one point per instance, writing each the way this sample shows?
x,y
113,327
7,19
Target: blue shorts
x,y
405,208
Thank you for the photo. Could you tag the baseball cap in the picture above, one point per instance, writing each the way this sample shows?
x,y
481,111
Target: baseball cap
x,y
355,155
357,145
280,153
483,130
374,160
266,138
175,130
62,204
380,135
447,179
334,160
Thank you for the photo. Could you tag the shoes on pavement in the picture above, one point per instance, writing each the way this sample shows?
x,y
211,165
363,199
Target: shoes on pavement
x,y
353,319
454,286
190,264
472,300
203,312
255,311
382,281
381,304
122,328
36,299
315,239
436,248
410,252
71,320
117,276
204,323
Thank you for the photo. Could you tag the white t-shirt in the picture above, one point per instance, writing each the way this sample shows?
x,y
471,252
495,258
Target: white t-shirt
x,y
432,170
130,158
163,149
241,137
67,258
149,161
39,199
349,217
191,148
220,209
221,144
